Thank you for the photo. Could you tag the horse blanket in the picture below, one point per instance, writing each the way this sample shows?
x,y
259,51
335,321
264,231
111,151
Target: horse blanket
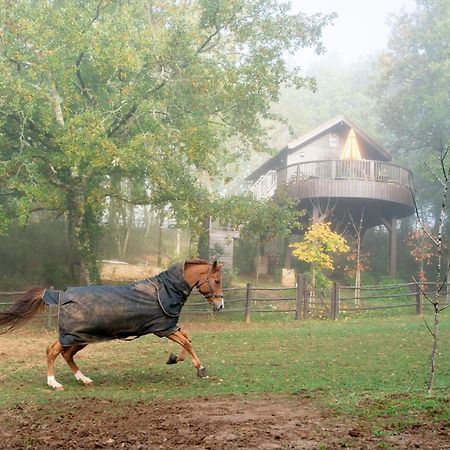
x,y
98,313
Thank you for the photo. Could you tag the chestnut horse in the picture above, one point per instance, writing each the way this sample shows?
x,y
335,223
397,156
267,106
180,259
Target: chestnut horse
x,y
203,275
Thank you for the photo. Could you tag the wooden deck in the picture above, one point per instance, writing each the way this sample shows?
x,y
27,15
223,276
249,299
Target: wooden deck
x,y
382,189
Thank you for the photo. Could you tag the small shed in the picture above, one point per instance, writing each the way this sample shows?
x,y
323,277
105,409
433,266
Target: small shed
x,y
221,244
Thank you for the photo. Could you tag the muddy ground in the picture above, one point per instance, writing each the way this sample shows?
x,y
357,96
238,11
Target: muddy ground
x,y
270,422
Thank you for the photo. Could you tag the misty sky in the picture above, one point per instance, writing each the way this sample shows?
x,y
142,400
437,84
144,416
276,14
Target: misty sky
x,y
360,29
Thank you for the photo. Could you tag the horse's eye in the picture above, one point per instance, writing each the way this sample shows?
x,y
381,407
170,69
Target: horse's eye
x,y
217,281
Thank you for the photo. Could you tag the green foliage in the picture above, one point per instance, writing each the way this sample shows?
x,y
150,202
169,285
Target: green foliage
x,y
245,253
139,91
263,220
412,89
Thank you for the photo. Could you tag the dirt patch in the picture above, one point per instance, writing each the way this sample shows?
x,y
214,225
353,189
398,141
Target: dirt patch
x,y
122,272
270,422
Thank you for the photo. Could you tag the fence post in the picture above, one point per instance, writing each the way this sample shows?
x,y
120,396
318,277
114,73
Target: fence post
x,y
305,295
335,301
299,297
248,302
419,299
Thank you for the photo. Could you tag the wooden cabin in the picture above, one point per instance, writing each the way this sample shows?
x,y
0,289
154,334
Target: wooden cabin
x,y
340,174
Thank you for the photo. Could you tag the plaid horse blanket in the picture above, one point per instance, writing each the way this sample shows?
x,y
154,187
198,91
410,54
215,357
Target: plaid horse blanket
x,y
98,313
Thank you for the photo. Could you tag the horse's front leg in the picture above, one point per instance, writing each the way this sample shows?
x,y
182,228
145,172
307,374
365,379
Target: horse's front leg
x,y
182,338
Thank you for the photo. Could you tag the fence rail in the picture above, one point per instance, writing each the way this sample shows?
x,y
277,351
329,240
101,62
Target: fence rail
x,y
302,301
323,303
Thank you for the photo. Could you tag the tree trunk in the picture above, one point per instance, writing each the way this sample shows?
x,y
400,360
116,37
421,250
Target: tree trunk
x,y
312,295
73,226
358,273
160,233
89,238
82,238
203,239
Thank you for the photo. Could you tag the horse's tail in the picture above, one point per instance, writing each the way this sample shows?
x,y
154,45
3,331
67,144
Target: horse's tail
x,y
22,309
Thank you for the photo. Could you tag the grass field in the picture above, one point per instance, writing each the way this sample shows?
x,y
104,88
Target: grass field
x,y
363,366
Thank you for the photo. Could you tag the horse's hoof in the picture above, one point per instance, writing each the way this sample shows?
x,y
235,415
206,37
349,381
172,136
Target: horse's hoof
x,y
172,359
202,372
58,388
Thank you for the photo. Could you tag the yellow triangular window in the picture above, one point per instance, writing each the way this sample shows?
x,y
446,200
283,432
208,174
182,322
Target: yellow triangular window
x,y
351,149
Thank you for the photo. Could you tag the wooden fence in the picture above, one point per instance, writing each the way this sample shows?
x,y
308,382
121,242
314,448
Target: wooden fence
x,y
339,301
301,302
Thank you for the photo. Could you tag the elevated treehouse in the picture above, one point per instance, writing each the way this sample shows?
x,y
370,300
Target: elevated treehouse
x,y
339,174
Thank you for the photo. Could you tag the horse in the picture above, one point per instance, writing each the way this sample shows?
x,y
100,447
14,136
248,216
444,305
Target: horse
x,y
90,314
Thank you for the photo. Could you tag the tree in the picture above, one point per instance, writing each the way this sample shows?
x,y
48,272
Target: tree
x,y
442,273
357,256
412,91
144,91
261,220
420,245
317,248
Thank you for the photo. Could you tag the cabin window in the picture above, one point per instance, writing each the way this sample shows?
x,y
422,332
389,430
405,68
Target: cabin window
x,y
334,140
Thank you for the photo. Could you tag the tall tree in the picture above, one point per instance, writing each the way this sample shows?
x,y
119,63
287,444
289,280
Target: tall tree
x,y
92,92
413,91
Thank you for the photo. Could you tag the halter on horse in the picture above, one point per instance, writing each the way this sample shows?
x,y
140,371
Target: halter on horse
x,y
91,314
212,294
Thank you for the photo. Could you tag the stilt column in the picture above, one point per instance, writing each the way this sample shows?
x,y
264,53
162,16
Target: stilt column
x,y
287,253
391,226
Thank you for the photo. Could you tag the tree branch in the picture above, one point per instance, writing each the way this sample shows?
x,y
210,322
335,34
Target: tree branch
x,y
429,329
82,85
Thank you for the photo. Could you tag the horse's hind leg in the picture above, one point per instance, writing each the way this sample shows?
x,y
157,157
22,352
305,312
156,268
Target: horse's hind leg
x,y
52,353
68,354
173,358
184,340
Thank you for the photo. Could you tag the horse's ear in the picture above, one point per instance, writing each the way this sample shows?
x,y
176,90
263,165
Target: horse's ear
x,y
216,266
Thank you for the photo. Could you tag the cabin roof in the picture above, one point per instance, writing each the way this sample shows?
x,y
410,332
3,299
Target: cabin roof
x,y
276,161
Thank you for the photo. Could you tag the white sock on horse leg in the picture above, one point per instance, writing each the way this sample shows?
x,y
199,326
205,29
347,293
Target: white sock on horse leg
x,y
80,377
53,383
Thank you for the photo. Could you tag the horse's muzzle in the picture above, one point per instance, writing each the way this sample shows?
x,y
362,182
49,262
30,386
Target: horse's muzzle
x,y
217,305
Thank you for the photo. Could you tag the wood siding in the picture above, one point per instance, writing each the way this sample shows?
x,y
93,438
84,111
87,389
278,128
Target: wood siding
x,y
318,149
223,239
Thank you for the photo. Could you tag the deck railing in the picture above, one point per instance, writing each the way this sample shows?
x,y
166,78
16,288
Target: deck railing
x,y
366,170
265,186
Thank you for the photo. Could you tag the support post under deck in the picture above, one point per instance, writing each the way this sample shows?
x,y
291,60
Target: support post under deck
x,y
391,226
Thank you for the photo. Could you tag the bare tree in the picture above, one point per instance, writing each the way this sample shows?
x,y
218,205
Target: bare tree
x,y
442,176
359,232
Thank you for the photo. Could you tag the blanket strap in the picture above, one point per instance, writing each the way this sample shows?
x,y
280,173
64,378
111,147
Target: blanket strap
x,y
160,302
128,339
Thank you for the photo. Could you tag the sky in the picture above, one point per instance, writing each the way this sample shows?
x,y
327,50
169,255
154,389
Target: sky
x,y
361,28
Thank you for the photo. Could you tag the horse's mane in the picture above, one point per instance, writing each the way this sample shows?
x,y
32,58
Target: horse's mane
x,y
197,261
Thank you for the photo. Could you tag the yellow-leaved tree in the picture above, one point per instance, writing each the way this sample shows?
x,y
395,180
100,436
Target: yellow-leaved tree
x,y
318,247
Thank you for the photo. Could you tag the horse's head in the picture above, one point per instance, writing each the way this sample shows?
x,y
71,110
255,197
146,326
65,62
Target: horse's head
x,y
207,278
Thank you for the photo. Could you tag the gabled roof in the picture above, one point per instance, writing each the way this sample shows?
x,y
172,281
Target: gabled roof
x,y
279,159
